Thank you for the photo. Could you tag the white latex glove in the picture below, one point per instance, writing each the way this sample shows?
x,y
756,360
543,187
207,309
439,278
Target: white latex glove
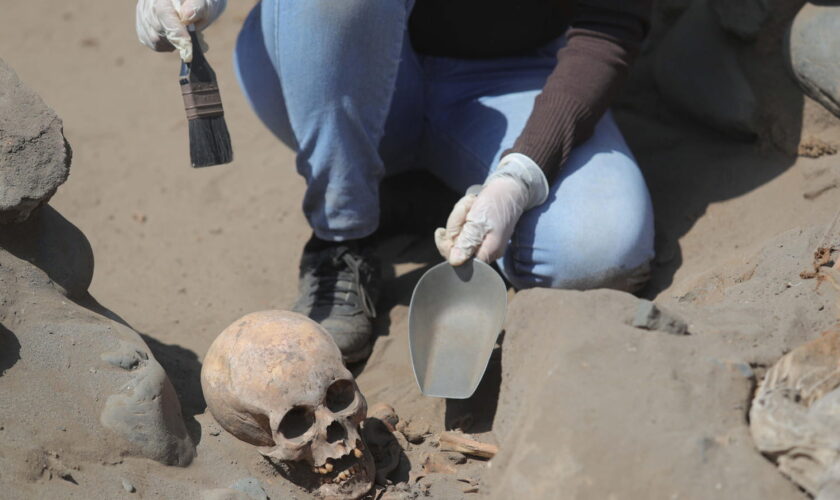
x,y
162,24
481,225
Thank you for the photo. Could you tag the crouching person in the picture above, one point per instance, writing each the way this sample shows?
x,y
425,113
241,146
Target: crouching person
x,y
510,95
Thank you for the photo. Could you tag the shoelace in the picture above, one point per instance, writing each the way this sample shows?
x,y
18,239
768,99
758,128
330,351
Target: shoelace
x,y
355,264
327,285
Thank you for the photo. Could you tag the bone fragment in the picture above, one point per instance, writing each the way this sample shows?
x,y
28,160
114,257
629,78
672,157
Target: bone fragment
x,y
386,414
450,441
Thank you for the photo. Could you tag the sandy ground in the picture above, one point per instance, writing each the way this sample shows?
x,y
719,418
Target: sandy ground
x,y
182,253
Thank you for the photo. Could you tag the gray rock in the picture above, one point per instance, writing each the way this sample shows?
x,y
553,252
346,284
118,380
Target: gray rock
x,y
83,374
590,406
795,416
34,157
697,71
145,411
650,317
742,18
55,246
813,45
251,487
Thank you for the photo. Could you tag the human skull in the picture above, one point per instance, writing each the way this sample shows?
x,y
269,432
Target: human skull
x,y
275,379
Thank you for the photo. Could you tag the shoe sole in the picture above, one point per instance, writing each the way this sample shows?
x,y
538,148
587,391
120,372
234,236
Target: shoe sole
x,y
359,355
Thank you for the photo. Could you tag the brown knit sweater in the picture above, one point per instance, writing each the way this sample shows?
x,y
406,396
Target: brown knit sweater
x,y
603,38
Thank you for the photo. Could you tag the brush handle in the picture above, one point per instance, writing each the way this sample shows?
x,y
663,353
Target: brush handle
x,y
198,84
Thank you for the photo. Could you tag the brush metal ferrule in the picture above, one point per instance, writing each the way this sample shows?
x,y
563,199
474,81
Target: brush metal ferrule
x,y
201,100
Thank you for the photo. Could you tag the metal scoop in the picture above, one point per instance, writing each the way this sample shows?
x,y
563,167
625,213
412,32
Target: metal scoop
x,y
455,316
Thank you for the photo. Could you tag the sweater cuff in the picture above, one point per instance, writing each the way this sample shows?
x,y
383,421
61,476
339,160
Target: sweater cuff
x,y
523,170
551,132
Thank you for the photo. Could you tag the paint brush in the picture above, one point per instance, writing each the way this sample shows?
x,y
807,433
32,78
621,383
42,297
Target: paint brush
x,y
209,137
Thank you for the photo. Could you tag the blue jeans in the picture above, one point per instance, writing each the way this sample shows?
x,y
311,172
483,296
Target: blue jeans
x,y
340,84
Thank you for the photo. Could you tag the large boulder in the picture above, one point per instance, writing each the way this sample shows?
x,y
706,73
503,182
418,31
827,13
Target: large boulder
x,y
742,18
813,48
697,72
77,381
591,407
34,157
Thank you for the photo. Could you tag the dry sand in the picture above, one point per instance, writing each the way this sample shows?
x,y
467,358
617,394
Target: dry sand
x,y
182,253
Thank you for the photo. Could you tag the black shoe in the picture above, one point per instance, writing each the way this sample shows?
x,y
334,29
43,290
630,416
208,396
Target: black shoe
x,y
339,286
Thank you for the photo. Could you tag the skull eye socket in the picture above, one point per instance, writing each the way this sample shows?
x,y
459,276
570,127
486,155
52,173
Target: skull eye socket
x,y
340,395
296,422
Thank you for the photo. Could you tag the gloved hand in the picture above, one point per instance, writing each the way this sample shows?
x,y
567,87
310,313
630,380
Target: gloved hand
x,y
481,224
162,24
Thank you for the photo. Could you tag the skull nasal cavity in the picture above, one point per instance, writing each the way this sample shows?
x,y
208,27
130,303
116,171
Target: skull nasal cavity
x,y
296,422
335,432
340,394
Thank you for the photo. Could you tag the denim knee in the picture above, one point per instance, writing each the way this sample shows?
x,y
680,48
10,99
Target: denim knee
x,y
258,79
616,263
594,231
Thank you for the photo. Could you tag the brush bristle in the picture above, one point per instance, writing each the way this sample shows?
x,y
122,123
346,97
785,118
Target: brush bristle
x,y
209,142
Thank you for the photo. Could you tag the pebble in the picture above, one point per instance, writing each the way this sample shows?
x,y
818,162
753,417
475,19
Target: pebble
x,y
251,487
455,457
415,431
127,486
650,317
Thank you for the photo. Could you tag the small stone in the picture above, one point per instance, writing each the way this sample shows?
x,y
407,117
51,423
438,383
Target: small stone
x,y
415,431
739,367
455,457
251,487
127,486
438,463
650,317
66,475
